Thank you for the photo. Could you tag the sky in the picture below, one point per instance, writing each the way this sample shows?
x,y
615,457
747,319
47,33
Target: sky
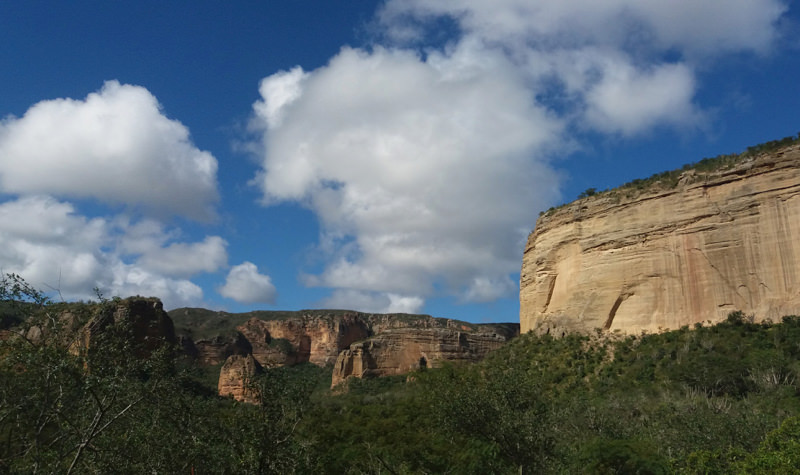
x,y
380,156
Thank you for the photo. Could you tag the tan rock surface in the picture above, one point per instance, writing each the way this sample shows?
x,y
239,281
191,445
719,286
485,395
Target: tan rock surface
x,y
730,241
315,339
400,350
235,376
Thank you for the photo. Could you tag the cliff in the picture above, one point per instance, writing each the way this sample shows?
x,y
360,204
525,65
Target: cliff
x,y
400,350
235,377
669,256
141,322
356,344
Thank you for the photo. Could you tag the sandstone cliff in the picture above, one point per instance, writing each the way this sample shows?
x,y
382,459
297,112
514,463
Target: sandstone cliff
x,y
317,339
142,321
236,375
400,350
670,256
357,344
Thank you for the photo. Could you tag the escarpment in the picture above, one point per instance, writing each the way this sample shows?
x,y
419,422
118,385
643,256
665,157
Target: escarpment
x,y
669,256
400,350
356,344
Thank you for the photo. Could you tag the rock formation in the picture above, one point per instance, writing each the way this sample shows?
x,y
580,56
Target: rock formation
x,y
356,344
146,324
671,256
235,377
214,351
400,350
305,338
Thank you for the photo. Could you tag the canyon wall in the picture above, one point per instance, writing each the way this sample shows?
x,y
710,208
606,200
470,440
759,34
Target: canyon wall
x,y
356,344
401,350
669,256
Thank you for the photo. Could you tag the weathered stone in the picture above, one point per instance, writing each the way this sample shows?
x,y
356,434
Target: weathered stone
x,y
667,258
315,339
148,324
401,350
216,350
236,376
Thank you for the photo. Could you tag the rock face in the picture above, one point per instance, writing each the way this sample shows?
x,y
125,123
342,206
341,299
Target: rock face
x,y
148,325
214,351
400,350
235,375
356,344
729,240
317,339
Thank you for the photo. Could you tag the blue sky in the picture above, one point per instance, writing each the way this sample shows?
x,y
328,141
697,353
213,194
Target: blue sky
x,y
377,156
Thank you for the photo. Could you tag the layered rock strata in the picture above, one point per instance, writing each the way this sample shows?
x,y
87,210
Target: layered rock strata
x,y
401,350
374,344
725,241
306,338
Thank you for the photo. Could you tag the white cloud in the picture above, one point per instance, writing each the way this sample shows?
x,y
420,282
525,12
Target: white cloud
x,y
694,27
627,100
246,285
424,173
483,289
115,146
426,166
373,302
51,245
609,55
185,259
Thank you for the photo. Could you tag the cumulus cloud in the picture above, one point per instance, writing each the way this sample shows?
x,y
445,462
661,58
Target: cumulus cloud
x,y
422,171
246,285
116,146
373,302
426,166
696,28
608,56
185,259
53,246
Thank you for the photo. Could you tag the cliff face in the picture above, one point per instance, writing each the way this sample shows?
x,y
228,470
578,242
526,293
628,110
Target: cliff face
x,y
235,375
713,244
356,344
314,339
149,327
400,350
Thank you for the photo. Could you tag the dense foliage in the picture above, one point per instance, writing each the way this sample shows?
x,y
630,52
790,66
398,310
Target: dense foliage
x,y
712,399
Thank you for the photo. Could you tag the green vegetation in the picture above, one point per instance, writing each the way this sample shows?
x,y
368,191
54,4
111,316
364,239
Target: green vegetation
x,y
711,399
669,179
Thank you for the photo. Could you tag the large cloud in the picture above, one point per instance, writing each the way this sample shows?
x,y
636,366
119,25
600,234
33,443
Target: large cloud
x,y
424,172
426,165
246,285
606,57
694,27
115,146
52,246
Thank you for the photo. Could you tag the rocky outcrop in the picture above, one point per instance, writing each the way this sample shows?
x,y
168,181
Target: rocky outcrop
x,y
143,320
397,343
317,339
214,351
714,243
401,350
236,377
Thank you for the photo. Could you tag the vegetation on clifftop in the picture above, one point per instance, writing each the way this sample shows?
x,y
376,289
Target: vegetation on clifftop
x,y
669,179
